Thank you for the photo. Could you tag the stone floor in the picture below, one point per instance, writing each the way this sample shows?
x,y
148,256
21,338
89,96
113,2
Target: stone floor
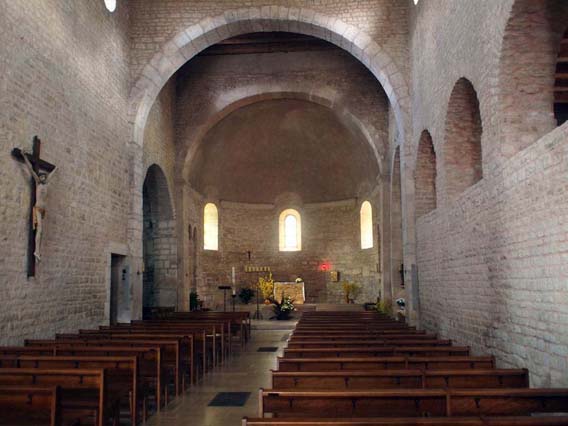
x,y
245,372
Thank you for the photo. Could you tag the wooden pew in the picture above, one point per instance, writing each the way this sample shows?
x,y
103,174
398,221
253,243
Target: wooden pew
x,y
152,369
172,350
124,370
382,363
31,406
352,327
400,379
202,333
242,320
413,421
353,334
218,332
194,340
366,343
84,393
219,329
413,402
377,351
368,336
179,357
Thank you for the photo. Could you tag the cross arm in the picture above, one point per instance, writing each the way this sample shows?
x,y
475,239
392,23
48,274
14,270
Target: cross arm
x,y
41,164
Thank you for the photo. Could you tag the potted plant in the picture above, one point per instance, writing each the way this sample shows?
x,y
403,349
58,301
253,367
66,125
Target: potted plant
x,y
350,291
246,295
283,309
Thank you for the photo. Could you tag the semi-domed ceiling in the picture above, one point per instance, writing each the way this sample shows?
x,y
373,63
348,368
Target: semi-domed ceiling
x,y
276,146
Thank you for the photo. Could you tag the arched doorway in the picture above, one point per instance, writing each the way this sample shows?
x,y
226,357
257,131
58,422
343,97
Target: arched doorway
x,y
159,244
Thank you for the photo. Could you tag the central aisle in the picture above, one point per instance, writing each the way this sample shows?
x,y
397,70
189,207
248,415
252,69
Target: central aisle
x,y
245,372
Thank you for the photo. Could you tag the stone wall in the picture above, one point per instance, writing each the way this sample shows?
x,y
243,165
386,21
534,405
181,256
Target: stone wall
x,y
155,23
63,77
490,256
330,236
493,265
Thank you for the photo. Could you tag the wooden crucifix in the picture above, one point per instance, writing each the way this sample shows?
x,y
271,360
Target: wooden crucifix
x,y
41,172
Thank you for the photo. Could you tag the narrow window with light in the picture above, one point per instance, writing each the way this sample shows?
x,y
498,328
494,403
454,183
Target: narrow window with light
x,y
366,225
210,227
290,230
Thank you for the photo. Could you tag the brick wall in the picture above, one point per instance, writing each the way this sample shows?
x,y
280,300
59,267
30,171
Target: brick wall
x,y
63,77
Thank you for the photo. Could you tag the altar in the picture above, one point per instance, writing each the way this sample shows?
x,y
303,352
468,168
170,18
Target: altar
x,y
293,289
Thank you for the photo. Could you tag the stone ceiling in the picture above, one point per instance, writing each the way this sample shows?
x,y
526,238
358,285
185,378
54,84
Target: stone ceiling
x,y
272,147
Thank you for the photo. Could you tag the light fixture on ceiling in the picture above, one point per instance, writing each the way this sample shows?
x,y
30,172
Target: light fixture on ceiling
x,y
110,5
416,2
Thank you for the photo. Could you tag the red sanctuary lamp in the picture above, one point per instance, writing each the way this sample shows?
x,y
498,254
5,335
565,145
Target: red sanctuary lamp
x,y
324,267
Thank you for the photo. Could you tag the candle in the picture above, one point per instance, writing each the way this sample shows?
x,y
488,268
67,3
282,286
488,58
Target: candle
x,y
233,276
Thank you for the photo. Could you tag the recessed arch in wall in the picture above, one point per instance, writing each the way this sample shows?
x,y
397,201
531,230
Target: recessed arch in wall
x,y
425,176
529,60
462,145
158,234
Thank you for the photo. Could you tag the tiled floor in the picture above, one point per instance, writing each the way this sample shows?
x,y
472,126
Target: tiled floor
x,y
245,372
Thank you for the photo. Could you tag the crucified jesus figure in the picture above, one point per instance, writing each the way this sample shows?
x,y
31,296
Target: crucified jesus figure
x,y
41,179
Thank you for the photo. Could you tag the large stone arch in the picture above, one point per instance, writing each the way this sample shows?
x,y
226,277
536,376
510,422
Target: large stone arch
x,y
231,104
194,39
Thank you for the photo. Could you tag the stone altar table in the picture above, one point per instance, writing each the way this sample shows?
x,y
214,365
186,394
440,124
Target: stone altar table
x,y
293,289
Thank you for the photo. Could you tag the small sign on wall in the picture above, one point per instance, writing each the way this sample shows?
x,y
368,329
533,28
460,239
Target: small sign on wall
x,y
257,268
334,276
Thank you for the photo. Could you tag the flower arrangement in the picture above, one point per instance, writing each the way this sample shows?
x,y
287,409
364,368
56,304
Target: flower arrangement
x,y
384,307
283,309
350,291
266,286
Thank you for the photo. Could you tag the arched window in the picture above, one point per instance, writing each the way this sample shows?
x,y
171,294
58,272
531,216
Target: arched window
x,y
110,5
210,227
366,225
290,230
